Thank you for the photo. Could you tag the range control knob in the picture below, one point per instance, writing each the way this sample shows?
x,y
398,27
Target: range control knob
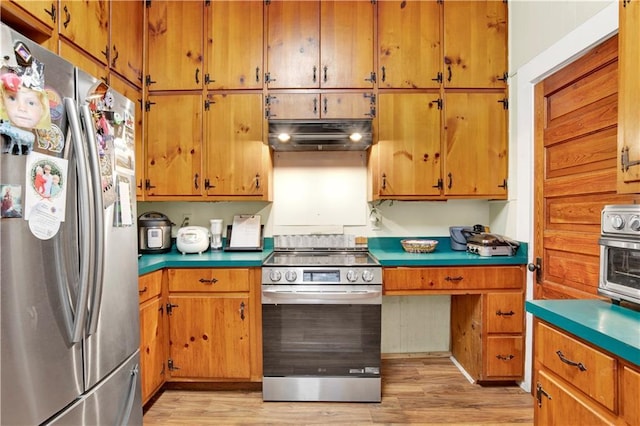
x,y
291,276
275,276
352,276
367,275
617,222
634,223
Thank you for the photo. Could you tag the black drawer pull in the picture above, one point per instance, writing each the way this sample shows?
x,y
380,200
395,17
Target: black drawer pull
x,y
458,278
505,357
143,290
506,314
206,281
580,365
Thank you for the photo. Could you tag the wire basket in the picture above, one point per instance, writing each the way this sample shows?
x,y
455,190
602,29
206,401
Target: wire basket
x,y
419,246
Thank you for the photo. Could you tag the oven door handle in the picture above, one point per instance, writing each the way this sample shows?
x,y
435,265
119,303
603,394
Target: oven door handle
x,y
272,296
619,243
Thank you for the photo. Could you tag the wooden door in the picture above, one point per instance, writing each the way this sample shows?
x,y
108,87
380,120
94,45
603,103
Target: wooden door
x,y
409,145
209,337
475,149
126,31
174,145
628,95
152,356
175,39
86,24
346,44
475,43
234,145
235,44
293,44
575,171
409,46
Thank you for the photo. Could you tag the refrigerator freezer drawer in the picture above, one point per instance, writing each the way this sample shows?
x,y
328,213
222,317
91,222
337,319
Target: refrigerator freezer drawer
x,y
117,400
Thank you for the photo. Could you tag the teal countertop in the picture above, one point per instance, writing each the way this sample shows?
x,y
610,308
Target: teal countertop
x,y
613,328
387,250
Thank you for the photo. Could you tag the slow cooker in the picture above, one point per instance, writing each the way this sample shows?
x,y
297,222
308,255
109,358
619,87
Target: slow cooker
x,y
154,233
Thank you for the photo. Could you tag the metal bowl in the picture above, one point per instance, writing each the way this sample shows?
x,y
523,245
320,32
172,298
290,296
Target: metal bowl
x,y
419,246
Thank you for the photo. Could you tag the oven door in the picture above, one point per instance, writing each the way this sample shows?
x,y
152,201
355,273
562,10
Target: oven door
x,y
620,269
321,331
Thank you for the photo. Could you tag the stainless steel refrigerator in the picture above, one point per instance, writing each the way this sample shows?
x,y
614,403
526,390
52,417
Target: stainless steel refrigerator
x,y
69,301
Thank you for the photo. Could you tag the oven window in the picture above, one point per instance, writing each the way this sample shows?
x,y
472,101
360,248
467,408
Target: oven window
x,y
321,340
623,267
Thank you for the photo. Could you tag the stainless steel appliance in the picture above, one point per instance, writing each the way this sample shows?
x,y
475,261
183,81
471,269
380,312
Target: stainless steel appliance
x,y
154,233
320,135
321,325
620,253
484,244
70,326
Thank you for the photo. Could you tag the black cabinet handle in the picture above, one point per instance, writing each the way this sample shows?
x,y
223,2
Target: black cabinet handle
x,y
206,281
506,314
197,75
314,77
450,73
384,74
67,17
324,77
144,290
579,365
195,181
52,13
505,357
242,311
458,278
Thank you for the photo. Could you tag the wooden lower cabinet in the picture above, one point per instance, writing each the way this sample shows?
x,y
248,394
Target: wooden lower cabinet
x,y
575,382
213,322
152,335
487,313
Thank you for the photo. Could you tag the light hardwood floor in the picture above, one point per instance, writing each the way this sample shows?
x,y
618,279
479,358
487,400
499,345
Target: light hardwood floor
x,y
414,391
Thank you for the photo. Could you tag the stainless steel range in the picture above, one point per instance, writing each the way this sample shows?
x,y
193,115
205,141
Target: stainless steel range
x,y
321,323
620,253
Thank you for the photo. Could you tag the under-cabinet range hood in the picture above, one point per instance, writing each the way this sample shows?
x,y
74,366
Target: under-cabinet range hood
x,y
320,135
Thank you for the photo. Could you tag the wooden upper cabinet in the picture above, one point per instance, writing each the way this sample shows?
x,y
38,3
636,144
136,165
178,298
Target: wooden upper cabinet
x,y
174,145
293,45
409,145
476,162
315,105
235,45
46,12
475,44
86,24
327,44
175,45
346,44
125,56
628,94
409,47
234,145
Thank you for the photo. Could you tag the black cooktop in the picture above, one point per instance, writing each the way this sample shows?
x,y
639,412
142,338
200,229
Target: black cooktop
x,y
314,258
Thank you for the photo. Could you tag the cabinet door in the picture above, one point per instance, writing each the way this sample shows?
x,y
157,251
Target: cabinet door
x,y
504,312
475,43
45,11
476,145
86,24
210,337
346,44
135,95
235,44
82,60
174,145
409,47
293,43
630,385
175,36
125,56
409,144
326,105
152,357
628,94
235,164
293,105
348,105
504,357
560,405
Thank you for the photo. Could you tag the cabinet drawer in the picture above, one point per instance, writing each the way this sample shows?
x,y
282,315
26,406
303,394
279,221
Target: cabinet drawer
x,y
150,285
209,280
505,356
505,312
462,278
588,369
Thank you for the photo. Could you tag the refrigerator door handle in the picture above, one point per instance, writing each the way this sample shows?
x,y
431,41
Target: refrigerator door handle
x,y
131,396
76,327
97,237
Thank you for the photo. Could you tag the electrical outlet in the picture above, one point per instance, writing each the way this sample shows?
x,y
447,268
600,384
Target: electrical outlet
x,y
186,218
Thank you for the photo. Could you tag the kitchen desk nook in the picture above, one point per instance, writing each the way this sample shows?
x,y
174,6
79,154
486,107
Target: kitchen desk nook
x,y
487,308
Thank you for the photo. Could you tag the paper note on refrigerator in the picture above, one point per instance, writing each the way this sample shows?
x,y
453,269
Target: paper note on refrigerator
x,y
246,231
